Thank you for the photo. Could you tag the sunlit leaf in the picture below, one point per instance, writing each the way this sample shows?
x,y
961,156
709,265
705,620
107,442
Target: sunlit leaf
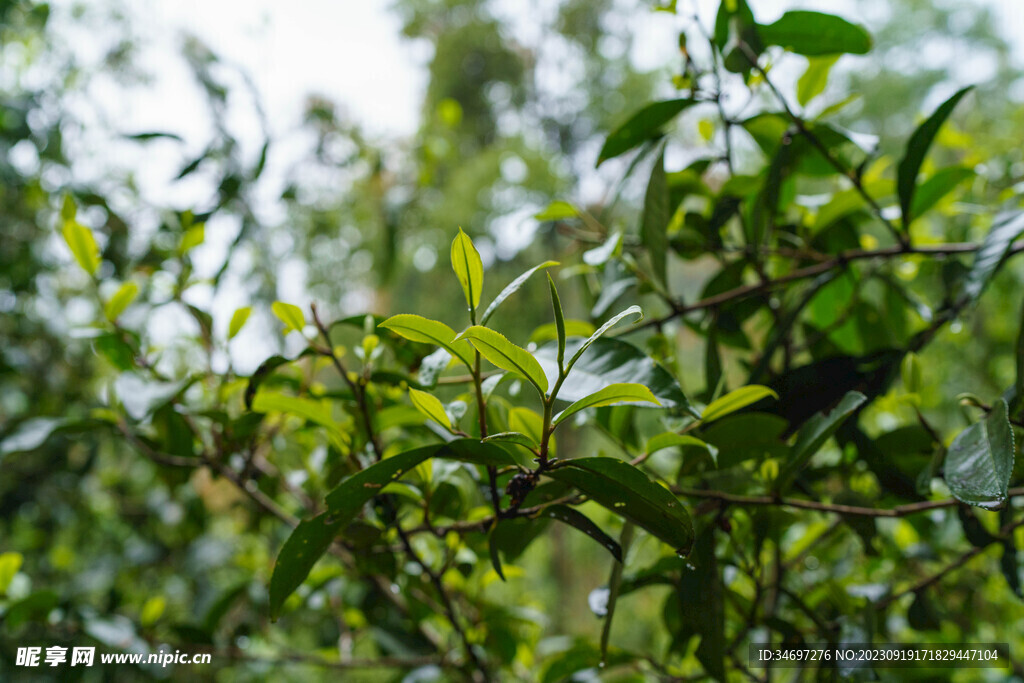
x,y
814,34
468,267
429,405
736,400
290,314
506,355
120,300
83,246
238,320
610,395
420,329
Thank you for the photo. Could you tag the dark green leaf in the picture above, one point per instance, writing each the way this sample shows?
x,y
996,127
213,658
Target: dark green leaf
x,y
980,460
578,520
628,492
511,289
556,306
610,361
814,34
654,224
641,127
941,183
813,435
917,149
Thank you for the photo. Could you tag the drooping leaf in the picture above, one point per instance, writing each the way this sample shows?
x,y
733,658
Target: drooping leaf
x,y
511,289
642,126
598,256
290,314
610,395
632,310
238,320
814,79
1005,229
611,361
468,267
506,355
83,245
917,149
431,406
311,538
736,400
420,329
813,435
815,34
626,491
655,219
120,300
980,460
576,519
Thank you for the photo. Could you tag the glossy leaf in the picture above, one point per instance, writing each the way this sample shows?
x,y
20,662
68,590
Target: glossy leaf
x,y
917,149
614,320
420,329
813,435
577,520
736,400
83,245
644,125
815,34
120,300
611,361
506,355
511,289
238,320
610,395
655,218
626,491
290,314
1005,229
980,460
468,267
429,405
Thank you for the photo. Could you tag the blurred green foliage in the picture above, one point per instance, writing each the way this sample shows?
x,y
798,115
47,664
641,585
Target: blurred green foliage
x,y
835,356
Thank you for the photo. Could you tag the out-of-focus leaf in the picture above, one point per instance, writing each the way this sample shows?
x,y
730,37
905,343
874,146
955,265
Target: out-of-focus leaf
x,y
917,149
814,79
980,460
120,300
290,314
627,491
736,400
930,192
598,256
142,395
573,328
10,563
610,395
1005,229
673,440
557,211
433,365
642,126
506,355
30,435
816,34
511,289
654,222
238,320
83,245
468,267
814,434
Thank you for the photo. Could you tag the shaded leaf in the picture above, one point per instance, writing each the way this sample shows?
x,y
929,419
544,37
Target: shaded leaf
x,y
815,34
576,519
917,149
632,310
420,329
626,491
642,126
813,435
655,219
812,83
736,400
1005,229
